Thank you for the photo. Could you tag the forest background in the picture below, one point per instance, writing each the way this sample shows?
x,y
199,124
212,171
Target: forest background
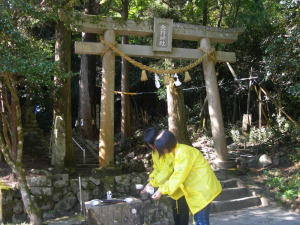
x,y
36,72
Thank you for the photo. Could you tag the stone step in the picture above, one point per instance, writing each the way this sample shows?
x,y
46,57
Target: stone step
x,y
233,193
67,220
231,183
88,160
89,150
90,165
84,172
87,155
221,176
235,204
93,164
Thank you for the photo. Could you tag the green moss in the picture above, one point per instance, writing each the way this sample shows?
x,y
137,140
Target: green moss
x,y
3,185
122,20
79,218
237,171
94,18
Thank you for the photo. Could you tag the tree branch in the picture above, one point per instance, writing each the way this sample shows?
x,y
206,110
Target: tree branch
x,y
5,151
5,125
17,129
236,13
221,13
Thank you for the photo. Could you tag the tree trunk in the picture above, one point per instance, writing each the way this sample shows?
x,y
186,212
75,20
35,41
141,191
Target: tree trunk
x,y
202,113
33,213
1,108
204,10
14,137
221,13
7,139
234,118
62,120
204,108
87,87
125,99
176,113
236,13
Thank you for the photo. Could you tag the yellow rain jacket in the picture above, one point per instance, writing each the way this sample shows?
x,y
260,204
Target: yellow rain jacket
x,y
162,168
193,178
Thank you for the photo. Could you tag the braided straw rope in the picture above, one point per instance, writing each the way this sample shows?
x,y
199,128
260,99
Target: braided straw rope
x,y
210,53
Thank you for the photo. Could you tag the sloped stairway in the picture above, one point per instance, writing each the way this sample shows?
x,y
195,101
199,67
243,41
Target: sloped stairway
x,y
86,158
234,196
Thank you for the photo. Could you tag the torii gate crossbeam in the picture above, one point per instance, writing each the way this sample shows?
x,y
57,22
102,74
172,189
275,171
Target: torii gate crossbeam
x,y
95,48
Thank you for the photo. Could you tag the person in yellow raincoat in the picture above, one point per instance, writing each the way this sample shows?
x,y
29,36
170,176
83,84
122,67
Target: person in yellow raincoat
x,y
192,177
162,170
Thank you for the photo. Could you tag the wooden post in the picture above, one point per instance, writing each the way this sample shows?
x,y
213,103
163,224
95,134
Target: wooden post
x,y
259,113
106,134
214,105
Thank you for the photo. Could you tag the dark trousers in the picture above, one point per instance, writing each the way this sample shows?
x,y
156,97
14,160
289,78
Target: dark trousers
x,y
180,214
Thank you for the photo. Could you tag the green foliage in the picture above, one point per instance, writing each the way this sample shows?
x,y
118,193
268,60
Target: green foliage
x,y
14,224
235,135
286,186
258,136
283,131
281,61
268,47
29,59
274,179
294,155
137,8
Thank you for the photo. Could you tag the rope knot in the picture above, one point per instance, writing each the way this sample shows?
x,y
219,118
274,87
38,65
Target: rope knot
x,y
211,53
107,47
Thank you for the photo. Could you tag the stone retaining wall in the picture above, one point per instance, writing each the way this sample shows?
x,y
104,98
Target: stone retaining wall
x,y
58,195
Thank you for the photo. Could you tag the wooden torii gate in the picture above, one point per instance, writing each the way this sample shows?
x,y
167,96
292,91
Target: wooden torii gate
x,y
162,48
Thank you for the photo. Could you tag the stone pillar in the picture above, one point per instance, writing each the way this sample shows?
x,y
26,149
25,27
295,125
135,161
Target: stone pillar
x,y
106,134
30,123
58,143
6,204
214,105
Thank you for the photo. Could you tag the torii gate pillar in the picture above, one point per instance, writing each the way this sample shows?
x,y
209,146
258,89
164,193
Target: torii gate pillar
x,y
106,134
214,105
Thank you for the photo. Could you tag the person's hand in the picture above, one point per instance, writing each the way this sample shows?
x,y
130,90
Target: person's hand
x,y
157,195
144,190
